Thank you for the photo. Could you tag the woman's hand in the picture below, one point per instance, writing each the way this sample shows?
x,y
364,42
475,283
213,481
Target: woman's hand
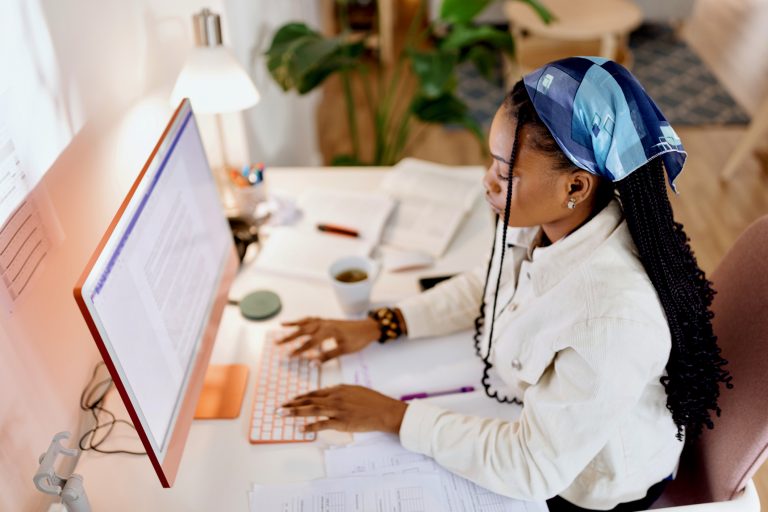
x,y
350,335
348,409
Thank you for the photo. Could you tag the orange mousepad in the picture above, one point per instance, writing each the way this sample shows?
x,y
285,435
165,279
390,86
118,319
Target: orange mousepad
x,y
223,392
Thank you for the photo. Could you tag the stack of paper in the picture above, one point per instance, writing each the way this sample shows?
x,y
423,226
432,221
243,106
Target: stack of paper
x,y
432,201
406,493
383,476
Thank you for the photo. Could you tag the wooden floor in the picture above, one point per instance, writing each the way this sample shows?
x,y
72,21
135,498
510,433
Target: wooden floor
x,y
729,35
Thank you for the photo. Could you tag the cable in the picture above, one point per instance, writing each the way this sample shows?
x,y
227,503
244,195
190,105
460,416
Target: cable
x,y
91,400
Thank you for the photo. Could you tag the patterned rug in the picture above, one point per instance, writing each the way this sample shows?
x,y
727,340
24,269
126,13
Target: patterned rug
x,y
674,76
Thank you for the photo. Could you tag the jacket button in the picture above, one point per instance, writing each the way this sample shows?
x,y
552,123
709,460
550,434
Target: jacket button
x,y
512,306
516,364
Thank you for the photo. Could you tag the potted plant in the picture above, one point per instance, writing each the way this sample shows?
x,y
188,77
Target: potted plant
x,y
300,59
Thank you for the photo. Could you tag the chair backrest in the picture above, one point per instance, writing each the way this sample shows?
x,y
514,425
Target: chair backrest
x,y
718,465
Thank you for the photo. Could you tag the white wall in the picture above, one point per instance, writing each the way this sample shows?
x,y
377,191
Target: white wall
x,y
107,55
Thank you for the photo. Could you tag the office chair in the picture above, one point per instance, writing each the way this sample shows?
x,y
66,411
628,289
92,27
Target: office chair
x,y
715,469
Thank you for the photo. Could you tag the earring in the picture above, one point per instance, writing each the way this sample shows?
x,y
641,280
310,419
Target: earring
x,y
571,204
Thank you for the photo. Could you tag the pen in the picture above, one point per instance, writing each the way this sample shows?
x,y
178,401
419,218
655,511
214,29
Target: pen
x,y
338,230
412,396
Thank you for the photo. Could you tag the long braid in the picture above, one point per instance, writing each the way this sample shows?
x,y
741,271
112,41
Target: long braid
x,y
695,368
480,319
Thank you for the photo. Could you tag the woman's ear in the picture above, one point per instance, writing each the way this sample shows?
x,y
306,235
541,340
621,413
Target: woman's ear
x,y
581,186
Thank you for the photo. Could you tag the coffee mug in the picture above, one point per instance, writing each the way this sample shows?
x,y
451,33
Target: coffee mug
x,y
352,278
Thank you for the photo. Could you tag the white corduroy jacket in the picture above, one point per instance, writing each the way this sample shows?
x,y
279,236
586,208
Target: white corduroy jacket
x,y
582,340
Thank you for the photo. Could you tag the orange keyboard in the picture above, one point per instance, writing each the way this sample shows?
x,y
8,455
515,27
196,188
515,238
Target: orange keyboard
x,y
281,378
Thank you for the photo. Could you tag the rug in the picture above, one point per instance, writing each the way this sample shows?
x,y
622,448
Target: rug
x,y
682,86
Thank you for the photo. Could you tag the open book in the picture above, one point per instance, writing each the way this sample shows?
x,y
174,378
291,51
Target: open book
x,y
432,201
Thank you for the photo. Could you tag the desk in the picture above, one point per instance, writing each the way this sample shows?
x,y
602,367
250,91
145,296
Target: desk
x,y
219,464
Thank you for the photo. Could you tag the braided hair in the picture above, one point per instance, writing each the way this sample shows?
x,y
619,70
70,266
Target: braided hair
x,y
695,368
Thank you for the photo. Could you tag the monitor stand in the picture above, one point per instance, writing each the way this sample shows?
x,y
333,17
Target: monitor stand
x,y
223,392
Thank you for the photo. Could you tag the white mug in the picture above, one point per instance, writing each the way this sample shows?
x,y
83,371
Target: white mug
x,y
354,297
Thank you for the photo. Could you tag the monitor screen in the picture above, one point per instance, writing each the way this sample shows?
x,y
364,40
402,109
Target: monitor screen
x,y
150,292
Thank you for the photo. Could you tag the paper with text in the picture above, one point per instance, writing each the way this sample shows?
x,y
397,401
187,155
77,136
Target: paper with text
x,y
432,202
392,493
387,457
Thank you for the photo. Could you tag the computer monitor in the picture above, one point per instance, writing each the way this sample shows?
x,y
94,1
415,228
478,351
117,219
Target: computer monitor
x,y
155,289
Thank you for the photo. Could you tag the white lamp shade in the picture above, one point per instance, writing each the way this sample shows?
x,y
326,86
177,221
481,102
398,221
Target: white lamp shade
x,y
214,82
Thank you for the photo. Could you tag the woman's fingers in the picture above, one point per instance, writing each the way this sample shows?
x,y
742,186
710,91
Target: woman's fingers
x,y
330,424
318,393
306,326
330,354
311,343
298,333
299,322
309,410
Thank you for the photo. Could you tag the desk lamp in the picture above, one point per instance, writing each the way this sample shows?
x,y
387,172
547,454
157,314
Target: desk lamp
x,y
212,78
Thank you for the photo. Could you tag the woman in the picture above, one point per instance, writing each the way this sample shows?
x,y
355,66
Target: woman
x,y
593,312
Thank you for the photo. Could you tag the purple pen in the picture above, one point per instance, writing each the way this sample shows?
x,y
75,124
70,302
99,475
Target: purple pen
x,y
413,396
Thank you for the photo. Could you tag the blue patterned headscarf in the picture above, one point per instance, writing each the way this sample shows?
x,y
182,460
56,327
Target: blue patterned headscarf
x,y
602,118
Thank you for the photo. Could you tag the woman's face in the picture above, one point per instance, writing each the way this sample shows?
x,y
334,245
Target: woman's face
x,y
539,193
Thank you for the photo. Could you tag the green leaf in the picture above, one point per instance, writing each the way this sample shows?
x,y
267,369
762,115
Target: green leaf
x,y
434,70
344,58
543,12
461,11
347,161
301,58
446,109
463,36
290,32
485,61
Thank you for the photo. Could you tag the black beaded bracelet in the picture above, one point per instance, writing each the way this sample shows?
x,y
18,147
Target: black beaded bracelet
x,y
389,325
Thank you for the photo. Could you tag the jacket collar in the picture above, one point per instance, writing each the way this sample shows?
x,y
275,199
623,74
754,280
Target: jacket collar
x,y
551,264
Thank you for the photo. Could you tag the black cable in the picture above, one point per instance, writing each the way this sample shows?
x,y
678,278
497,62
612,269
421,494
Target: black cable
x,y
91,400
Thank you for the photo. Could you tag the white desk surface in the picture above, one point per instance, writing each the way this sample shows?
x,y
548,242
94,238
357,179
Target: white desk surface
x,y
219,465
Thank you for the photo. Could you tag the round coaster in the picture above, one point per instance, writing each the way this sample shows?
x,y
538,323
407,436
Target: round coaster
x,y
260,305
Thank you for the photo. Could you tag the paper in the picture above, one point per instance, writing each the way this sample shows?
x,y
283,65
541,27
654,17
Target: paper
x,y
419,179
415,366
365,212
387,457
307,254
431,205
393,493
375,458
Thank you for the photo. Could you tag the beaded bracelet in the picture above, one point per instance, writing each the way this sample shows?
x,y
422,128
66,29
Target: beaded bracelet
x,y
389,325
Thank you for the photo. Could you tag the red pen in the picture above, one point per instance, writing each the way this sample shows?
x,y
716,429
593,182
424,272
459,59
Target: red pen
x,y
338,230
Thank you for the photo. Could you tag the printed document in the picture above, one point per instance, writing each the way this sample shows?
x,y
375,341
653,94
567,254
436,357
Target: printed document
x,y
386,457
394,493
432,202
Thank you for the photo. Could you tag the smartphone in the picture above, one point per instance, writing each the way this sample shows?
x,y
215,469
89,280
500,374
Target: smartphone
x,y
425,283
